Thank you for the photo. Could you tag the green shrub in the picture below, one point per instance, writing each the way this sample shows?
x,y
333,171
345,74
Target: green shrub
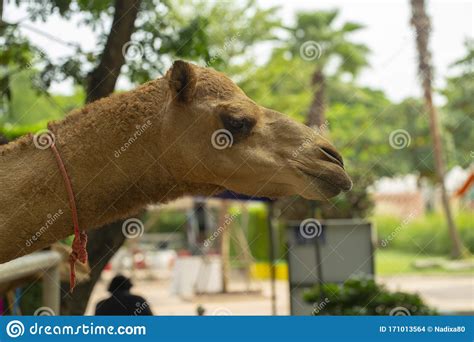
x,y
257,235
362,296
427,234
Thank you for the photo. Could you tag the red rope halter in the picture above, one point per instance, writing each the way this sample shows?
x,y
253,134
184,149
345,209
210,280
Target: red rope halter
x,y
79,251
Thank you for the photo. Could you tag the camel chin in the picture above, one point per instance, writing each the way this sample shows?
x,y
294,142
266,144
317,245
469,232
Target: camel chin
x,y
320,192
322,189
309,187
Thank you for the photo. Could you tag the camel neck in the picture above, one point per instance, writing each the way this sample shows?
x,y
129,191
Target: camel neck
x,y
110,157
112,151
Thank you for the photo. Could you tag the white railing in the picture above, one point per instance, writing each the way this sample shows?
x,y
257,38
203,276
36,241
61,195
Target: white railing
x,y
46,265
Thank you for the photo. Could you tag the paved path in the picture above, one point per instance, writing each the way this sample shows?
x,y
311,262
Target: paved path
x,y
157,292
448,294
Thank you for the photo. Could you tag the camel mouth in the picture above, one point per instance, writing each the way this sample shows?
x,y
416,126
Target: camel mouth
x,y
332,182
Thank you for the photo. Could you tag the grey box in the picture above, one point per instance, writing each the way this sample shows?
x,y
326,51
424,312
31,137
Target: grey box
x,y
345,250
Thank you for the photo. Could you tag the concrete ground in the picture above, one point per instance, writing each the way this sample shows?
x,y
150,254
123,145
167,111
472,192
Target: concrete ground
x,y
448,294
237,302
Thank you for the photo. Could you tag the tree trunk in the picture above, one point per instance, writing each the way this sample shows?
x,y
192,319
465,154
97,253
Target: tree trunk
x,y
421,23
316,116
104,242
103,78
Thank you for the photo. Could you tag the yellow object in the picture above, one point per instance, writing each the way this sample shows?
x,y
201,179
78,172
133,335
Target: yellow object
x,y
261,270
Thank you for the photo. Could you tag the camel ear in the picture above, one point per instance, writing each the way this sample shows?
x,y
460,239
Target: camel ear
x,y
182,81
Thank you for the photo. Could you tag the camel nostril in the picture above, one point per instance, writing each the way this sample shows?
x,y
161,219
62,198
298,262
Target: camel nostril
x,y
333,155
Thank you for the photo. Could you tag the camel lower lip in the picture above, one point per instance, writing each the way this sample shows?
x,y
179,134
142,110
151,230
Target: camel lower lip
x,y
344,185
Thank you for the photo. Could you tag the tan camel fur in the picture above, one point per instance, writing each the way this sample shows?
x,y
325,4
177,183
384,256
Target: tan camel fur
x,y
156,143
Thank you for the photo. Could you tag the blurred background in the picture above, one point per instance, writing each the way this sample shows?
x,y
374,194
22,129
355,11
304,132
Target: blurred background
x,y
390,83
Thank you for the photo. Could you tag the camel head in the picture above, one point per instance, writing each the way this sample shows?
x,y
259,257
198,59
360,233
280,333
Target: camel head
x,y
216,135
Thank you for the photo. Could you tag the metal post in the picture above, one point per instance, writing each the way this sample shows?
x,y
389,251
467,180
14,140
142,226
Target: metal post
x,y
271,236
52,289
317,250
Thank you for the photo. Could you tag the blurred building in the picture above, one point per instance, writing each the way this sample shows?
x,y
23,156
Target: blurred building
x,y
409,196
404,204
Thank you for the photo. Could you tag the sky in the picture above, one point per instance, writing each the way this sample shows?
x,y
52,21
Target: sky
x,y
393,66
388,34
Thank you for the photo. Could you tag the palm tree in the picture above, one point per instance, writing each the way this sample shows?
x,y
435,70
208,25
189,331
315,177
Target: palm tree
x,y
328,48
422,25
319,42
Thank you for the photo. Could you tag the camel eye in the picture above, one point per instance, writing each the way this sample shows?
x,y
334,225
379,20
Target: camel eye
x,y
238,126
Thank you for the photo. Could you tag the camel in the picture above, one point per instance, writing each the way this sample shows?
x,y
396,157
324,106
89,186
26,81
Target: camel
x,y
190,132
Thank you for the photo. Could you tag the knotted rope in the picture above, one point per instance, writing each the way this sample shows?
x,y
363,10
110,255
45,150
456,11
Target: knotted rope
x,y
79,251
